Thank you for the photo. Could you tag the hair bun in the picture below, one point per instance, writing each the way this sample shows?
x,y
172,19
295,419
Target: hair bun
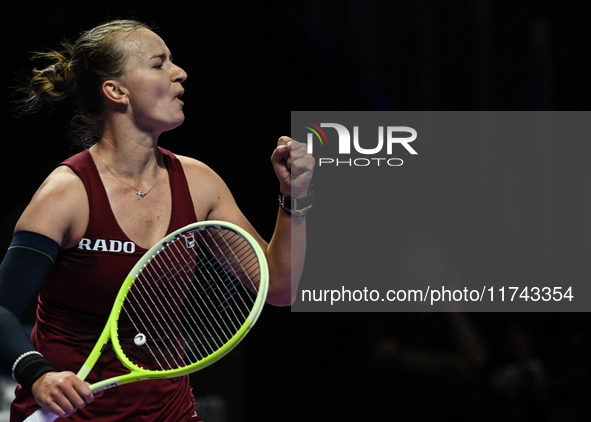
x,y
54,82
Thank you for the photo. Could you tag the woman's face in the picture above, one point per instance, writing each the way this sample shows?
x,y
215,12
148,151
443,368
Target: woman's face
x,y
152,83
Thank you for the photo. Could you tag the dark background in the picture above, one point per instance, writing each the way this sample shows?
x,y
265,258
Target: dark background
x,y
249,65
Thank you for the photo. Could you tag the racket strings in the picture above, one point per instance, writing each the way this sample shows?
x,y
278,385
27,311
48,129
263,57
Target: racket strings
x,y
168,355
188,302
223,292
211,289
174,273
190,318
247,263
231,251
197,296
167,321
151,308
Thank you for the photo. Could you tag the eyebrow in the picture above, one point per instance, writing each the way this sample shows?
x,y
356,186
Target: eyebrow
x,y
160,56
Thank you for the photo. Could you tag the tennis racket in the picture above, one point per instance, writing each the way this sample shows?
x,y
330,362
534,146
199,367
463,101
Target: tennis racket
x,y
187,302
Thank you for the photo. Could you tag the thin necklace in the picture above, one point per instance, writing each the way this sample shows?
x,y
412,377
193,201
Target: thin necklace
x,y
140,194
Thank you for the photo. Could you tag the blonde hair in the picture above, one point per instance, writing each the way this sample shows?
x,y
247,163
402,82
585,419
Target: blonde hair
x,y
77,71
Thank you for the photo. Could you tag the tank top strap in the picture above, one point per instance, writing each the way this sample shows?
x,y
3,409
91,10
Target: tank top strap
x,y
183,211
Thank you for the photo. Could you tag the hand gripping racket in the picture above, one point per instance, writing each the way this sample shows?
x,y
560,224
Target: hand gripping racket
x,y
186,303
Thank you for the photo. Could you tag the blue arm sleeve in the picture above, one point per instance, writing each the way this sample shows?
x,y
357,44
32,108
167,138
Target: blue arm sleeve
x,y
22,273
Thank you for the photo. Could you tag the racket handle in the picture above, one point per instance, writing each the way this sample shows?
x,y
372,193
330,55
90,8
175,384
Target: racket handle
x,y
42,415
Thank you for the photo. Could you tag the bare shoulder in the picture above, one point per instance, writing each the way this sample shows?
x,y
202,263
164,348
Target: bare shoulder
x,y
59,209
200,176
208,191
195,168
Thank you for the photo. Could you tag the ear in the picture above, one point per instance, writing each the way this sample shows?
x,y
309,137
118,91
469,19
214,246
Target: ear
x,y
114,93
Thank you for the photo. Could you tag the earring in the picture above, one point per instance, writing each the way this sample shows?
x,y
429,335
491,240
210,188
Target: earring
x,y
127,103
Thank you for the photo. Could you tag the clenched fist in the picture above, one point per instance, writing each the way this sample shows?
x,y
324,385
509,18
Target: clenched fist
x,y
293,166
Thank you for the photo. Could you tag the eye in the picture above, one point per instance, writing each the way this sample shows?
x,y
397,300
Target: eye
x,y
159,66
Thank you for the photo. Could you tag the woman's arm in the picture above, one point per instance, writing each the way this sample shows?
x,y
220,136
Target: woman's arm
x,y
56,216
286,250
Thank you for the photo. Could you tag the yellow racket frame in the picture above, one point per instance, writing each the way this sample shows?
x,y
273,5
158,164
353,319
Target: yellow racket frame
x,y
110,330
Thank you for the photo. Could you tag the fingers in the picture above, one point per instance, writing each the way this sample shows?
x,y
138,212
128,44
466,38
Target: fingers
x,y
282,151
289,150
301,160
62,393
284,140
293,166
279,160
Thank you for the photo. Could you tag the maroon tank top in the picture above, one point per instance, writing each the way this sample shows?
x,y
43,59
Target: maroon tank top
x,y
76,299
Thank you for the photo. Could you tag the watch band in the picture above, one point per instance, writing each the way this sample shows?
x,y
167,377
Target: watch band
x,y
296,207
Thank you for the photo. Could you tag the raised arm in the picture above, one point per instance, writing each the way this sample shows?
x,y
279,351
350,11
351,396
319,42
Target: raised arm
x,y
286,250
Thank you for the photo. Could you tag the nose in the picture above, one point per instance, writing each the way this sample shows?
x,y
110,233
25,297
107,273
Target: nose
x,y
179,75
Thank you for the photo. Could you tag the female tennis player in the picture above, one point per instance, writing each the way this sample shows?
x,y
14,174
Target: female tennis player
x,y
99,211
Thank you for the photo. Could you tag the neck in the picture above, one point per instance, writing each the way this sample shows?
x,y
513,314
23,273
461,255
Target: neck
x,y
135,171
127,139
130,158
